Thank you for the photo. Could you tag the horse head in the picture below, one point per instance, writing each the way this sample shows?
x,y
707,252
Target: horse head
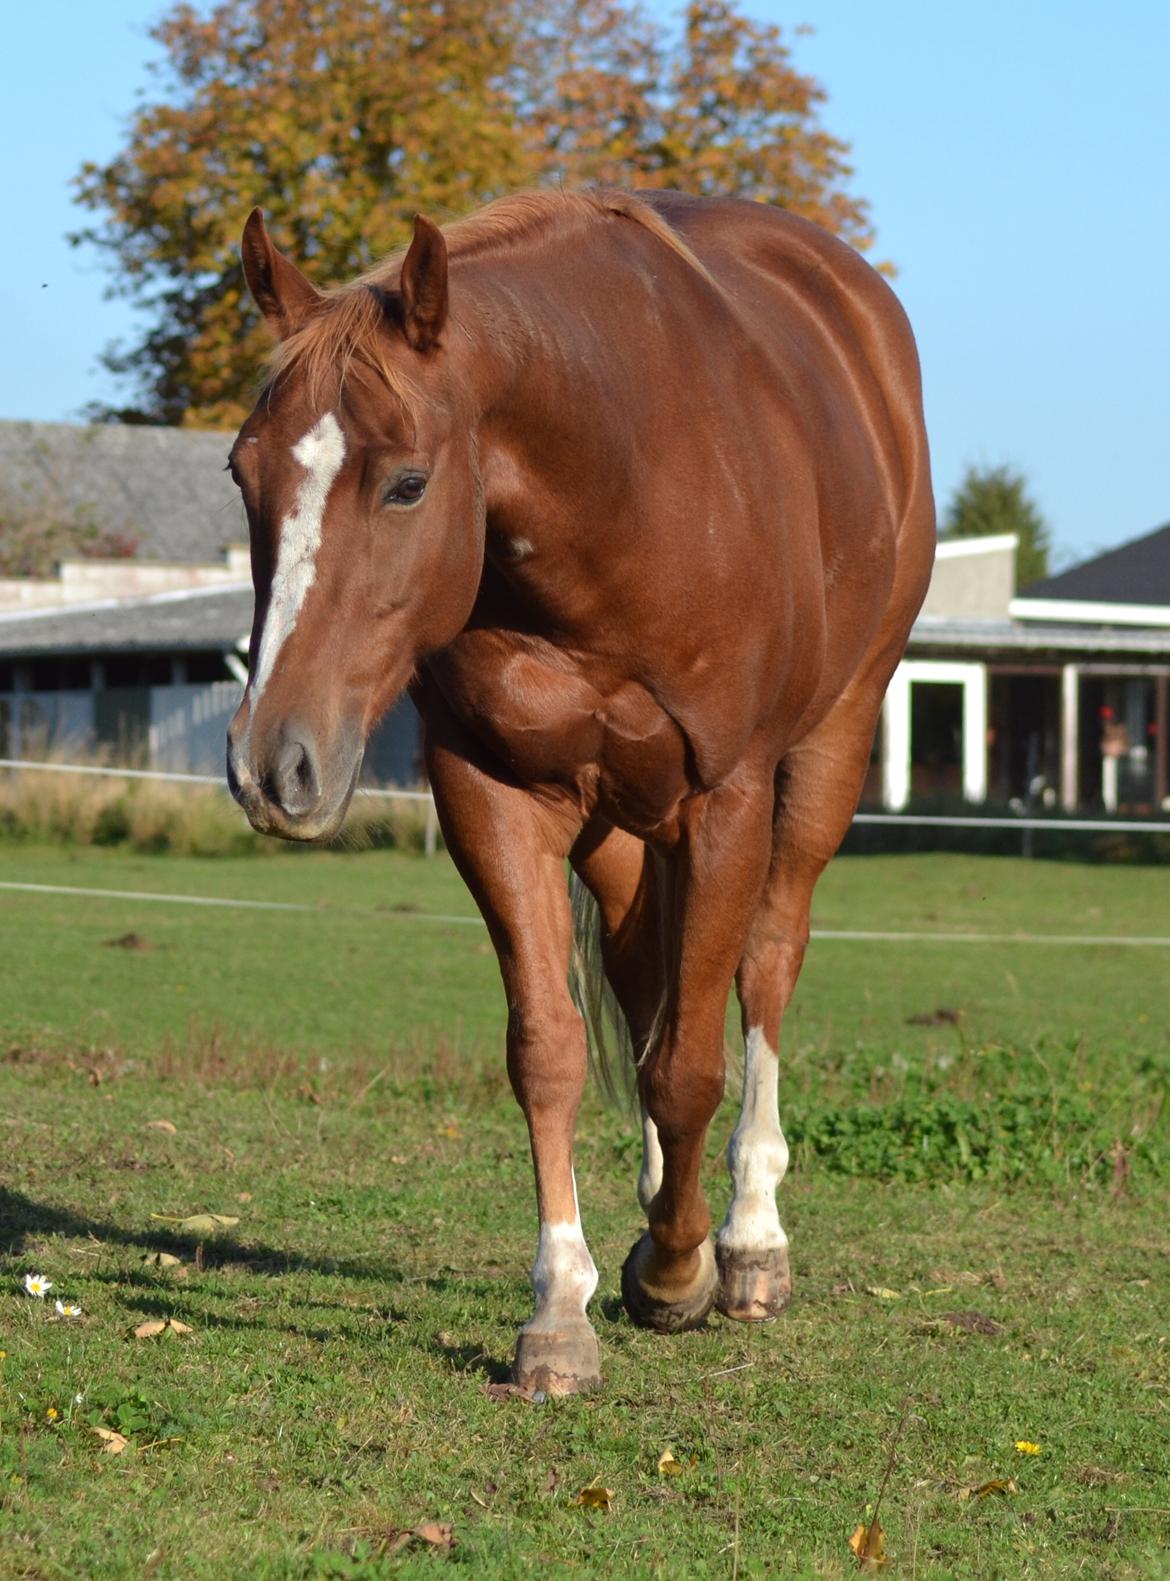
x,y
365,512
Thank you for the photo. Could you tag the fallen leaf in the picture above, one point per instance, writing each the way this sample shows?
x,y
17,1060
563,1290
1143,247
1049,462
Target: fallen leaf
x,y
243,1196
593,1498
882,1293
199,1223
451,1131
998,1485
436,1534
552,1481
155,1326
869,1544
168,1126
161,1260
112,1443
668,1466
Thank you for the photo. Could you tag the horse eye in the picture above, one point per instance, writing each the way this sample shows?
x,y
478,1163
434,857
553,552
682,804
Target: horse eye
x,y
405,490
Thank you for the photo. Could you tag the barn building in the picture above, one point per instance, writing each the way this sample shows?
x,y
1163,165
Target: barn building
x,y
140,654
1056,697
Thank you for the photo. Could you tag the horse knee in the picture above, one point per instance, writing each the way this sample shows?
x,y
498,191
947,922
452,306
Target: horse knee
x,y
682,1097
546,1055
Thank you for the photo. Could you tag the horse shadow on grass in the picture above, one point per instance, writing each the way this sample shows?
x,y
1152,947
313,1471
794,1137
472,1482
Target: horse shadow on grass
x,y
23,1219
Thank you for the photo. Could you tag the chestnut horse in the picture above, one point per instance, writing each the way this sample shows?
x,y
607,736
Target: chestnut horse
x,y
633,492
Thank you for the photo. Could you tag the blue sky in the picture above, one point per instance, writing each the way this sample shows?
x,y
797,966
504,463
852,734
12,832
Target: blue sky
x,y
1016,154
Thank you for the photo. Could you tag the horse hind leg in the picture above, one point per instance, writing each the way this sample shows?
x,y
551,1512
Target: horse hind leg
x,y
817,792
669,1280
751,1248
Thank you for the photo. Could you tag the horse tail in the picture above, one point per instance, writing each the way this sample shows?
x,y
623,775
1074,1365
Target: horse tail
x,y
607,1032
613,1058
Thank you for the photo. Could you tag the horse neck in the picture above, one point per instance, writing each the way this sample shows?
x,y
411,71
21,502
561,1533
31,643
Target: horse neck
x,y
553,399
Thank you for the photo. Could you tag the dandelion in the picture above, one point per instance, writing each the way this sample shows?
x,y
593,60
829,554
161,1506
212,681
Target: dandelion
x,y
37,1285
1023,1447
52,1413
67,1309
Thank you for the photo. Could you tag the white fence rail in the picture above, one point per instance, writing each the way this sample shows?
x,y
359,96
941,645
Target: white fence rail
x,y
182,779
903,820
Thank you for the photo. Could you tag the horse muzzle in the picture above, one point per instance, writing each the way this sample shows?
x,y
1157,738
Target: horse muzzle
x,y
287,784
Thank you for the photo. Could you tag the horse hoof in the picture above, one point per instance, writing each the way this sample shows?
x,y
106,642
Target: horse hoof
x,y
558,1361
754,1285
665,1309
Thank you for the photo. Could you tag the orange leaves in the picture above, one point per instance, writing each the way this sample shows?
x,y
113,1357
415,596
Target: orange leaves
x,y
869,1544
347,128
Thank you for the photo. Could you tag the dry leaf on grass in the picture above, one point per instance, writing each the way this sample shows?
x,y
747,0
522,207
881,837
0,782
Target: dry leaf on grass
x,y
670,1466
1000,1485
869,1544
161,1260
882,1293
432,1534
168,1126
155,1326
593,1498
112,1443
199,1223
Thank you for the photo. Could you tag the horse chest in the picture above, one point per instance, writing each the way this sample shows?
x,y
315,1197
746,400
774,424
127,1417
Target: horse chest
x,y
553,721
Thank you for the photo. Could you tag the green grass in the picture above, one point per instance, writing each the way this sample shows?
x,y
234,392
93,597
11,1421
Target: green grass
x,y
335,1080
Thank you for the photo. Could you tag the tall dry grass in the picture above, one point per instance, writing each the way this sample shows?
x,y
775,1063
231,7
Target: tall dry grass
x,y
159,817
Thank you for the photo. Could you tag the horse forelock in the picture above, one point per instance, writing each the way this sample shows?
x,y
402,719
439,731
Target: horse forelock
x,y
353,323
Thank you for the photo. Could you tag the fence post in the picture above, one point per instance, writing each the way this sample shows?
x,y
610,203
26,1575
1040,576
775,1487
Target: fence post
x,y
431,838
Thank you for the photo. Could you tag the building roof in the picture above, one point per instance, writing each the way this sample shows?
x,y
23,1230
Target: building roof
x,y
1136,573
1003,638
164,486
161,622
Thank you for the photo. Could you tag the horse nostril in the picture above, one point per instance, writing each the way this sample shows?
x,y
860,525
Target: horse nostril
x,y
294,783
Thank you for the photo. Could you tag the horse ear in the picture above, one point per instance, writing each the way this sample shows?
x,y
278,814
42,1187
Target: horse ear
x,y
423,284
278,287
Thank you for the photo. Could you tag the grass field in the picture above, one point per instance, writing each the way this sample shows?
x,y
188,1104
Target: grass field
x,y
977,1207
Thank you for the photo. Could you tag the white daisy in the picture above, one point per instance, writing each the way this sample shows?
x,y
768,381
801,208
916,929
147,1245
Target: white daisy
x,y
68,1309
37,1285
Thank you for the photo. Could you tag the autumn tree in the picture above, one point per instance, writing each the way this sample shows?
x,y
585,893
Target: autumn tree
x,y
995,500
345,117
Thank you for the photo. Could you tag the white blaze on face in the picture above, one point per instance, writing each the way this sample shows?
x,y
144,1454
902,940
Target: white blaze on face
x,y
757,1155
321,453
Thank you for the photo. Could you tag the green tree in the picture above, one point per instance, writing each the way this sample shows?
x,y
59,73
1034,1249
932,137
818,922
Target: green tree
x,y
345,117
995,500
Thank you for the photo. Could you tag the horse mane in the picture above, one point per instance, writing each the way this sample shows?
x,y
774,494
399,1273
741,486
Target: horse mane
x,y
347,325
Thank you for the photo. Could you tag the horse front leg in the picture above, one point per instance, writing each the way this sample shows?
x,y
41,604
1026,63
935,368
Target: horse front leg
x,y
511,851
669,1280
